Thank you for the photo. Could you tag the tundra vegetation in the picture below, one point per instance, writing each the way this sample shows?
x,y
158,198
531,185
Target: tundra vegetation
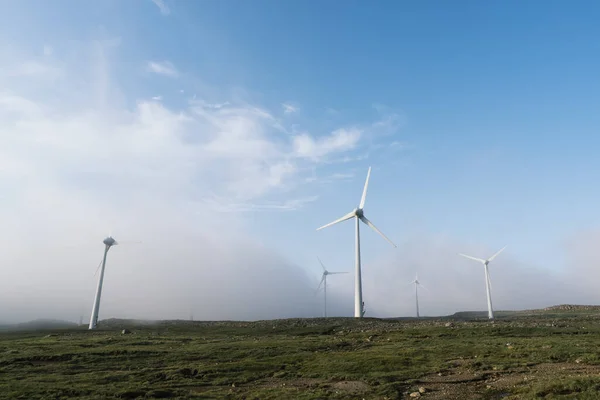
x,y
551,353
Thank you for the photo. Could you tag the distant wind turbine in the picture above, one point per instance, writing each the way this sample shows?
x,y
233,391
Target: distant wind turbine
x,y
488,284
358,214
417,284
324,283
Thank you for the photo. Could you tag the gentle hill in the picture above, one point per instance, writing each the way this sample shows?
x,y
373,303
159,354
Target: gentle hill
x,y
573,308
557,311
39,325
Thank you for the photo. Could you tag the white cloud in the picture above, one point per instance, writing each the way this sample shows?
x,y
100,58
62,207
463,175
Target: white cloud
x,y
202,103
32,68
11,104
72,171
340,140
289,108
163,68
164,9
157,98
288,205
342,176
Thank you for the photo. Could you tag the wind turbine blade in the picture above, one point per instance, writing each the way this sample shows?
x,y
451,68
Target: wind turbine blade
x,y
334,273
423,286
495,255
98,268
344,218
370,224
471,258
364,195
322,265
320,283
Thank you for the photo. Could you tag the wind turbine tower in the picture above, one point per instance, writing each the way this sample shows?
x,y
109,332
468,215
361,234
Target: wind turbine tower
x,y
488,284
417,284
108,243
324,283
358,215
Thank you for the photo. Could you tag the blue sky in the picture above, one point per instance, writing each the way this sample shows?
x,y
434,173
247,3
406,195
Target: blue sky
x,y
480,119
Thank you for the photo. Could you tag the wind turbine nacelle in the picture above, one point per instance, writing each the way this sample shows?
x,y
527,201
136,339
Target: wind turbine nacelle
x,y
109,241
358,212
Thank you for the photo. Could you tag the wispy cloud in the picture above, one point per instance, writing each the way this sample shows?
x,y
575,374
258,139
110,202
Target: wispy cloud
x,y
331,178
32,68
164,9
390,121
18,105
230,148
340,140
162,68
342,176
222,205
202,103
289,108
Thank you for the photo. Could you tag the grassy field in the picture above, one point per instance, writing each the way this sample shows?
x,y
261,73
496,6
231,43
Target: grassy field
x,y
552,354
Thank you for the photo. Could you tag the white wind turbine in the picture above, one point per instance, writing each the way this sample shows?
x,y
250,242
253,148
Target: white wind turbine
x,y
358,214
108,243
488,284
324,283
417,284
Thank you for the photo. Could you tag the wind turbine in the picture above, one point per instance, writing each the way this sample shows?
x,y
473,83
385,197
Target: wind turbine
x,y
488,284
108,243
417,284
359,215
324,283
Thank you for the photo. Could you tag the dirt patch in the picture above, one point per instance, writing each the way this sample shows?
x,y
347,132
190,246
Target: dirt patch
x,y
463,384
351,386
296,383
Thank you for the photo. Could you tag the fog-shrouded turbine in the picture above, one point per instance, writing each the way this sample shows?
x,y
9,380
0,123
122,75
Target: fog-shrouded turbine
x,y
417,284
108,243
324,283
488,284
358,215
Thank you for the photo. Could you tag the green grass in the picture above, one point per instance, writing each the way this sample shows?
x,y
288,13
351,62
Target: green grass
x,y
530,356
